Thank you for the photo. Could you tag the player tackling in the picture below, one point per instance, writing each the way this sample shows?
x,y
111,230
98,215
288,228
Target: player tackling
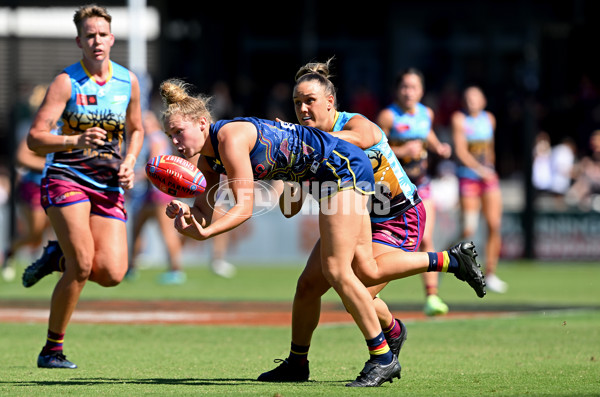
x,y
248,149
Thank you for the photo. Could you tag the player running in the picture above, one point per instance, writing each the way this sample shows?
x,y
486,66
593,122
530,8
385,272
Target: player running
x,y
95,103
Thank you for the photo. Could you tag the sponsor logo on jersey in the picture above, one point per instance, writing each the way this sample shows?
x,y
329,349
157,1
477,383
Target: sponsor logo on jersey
x,y
87,100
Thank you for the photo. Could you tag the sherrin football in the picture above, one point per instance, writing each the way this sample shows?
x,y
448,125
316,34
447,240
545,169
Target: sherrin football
x,y
175,176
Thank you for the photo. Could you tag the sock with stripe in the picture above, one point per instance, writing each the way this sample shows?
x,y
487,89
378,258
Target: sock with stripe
x,y
379,350
298,354
54,343
442,262
393,330
431,289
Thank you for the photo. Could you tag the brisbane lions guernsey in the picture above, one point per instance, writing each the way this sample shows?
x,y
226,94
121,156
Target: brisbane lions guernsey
x,y
93,104
407,127
398,190
479,133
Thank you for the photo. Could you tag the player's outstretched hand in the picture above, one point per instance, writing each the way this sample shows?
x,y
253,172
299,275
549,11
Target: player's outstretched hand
x,y
175,206
188,226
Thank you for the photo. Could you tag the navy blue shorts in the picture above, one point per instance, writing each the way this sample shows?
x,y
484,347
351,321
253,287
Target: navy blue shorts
x,y
347,167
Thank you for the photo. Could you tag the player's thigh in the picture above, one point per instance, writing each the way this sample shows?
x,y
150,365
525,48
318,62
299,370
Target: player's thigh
x,y
71,225
110,241
491,208
340,229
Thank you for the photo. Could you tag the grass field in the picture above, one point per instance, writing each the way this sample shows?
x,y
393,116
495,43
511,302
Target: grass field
x,y
548,346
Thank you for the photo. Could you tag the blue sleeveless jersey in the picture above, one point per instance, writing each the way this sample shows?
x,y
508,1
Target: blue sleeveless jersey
x,y
407,127
398,190
291,152
479,133
93,105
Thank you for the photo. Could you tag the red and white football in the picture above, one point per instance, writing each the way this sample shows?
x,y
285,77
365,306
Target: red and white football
x,y
175,176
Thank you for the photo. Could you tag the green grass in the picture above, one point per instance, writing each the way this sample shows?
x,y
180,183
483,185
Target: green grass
x,y
538,353
530,283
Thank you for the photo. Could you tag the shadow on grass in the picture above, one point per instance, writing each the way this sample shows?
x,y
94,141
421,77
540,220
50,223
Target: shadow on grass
x,y
160,381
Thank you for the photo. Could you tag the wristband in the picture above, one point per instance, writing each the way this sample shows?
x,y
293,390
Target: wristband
x,y
66,143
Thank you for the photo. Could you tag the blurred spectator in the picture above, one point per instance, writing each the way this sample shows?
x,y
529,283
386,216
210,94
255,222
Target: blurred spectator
x,y
585,191
541,175
562,161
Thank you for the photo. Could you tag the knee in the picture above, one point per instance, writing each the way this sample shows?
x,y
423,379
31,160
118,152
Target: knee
x,y
366,275
310,288
336,276
107,279
108,276
494,227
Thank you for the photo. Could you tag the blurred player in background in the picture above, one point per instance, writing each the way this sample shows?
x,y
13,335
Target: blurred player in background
x,y
36,221
30,168
146,203
94,106
407,123
473,134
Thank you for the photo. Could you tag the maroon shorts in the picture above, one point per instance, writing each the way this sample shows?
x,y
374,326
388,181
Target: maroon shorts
x,y
59,193
404,232
29,194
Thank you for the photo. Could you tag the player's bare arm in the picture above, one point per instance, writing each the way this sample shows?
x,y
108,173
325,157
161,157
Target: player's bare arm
x,y
41,140
236,141
135,136
360,132
461,147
